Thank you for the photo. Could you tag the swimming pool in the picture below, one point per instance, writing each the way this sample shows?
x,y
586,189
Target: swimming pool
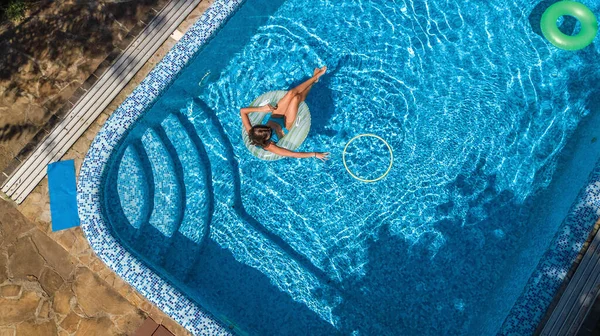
x,y
490,130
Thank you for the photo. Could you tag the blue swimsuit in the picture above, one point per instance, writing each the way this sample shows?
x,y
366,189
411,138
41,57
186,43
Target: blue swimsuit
x,y
278,121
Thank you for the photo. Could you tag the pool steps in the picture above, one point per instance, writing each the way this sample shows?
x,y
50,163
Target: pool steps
x,y
168,188
202,160
193,178
145,165
206,122
168,183
193,231
33,169
121,227
132,184
152,240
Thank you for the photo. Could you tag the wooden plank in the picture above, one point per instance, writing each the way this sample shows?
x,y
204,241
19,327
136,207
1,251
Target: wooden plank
x,y
89,107
79,127
578,297
110,76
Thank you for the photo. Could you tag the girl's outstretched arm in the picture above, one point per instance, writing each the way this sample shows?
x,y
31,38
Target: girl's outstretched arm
x,y
323,156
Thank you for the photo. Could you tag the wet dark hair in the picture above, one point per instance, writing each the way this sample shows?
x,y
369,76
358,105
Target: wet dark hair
x,y
260,135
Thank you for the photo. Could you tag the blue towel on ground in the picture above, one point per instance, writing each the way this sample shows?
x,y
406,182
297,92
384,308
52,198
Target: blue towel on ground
x,y
63,195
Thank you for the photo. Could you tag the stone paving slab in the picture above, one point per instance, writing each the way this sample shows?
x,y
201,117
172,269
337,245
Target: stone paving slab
x,y
35,220
46,291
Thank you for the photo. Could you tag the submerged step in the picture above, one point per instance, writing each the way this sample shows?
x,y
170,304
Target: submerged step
x,y
195,177
167,204
220,156
125,212
133,189
193,231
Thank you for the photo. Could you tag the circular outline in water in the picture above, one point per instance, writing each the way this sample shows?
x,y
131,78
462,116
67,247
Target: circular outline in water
x,y
373,136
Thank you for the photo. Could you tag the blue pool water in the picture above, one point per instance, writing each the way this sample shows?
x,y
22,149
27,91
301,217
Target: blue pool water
x,y
479,111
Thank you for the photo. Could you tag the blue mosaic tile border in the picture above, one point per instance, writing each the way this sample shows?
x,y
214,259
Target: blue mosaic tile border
x,y
108,249
522,320
547,278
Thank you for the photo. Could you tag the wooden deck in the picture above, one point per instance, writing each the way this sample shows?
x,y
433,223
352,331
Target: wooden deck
x,y
579,295
32,170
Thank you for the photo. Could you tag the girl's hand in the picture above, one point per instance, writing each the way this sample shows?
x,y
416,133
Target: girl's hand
x,y
324,156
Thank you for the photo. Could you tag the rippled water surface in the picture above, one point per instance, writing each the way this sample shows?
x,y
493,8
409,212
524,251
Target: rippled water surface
x,y
476,107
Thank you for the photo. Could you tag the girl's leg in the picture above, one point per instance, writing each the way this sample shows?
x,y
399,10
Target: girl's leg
x,y
307,84
285,101
304,93
292,111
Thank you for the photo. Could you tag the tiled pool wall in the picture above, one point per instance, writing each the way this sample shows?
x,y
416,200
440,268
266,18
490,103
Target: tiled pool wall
x,y
522,320
126,265
556,262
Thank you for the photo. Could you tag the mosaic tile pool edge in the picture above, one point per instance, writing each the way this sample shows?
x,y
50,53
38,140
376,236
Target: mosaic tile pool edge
x,y
550,272
524,315
109,250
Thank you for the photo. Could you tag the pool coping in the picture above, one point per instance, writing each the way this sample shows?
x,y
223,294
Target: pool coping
x,y
545,282
524,315
108,249
569,308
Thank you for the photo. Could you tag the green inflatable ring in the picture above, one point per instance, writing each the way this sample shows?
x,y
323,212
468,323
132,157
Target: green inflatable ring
x,y
589,25
292,140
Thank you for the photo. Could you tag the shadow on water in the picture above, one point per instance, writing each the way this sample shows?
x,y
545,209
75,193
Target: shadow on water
x,y
239,206
567,26
321,104
407,283
240,296
244,294
322,107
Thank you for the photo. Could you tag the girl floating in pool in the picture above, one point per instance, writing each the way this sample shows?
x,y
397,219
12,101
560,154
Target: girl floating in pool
x,y
282,119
